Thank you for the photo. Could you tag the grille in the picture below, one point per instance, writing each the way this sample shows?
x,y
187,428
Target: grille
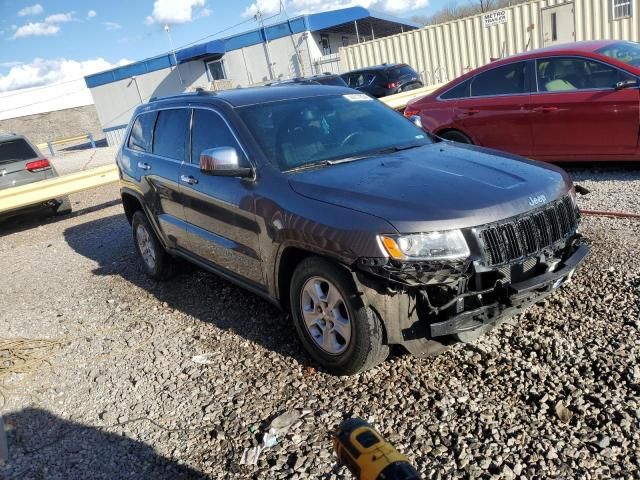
x,y
522,236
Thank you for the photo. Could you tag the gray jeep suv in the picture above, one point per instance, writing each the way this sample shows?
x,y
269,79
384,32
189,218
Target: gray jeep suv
x,y
21,163
329,204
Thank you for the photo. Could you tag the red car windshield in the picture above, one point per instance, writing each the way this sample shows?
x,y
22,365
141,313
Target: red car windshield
x,y
626,52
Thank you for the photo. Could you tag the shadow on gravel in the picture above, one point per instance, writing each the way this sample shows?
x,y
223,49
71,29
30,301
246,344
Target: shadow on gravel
x,y
197,293
42,445
36,217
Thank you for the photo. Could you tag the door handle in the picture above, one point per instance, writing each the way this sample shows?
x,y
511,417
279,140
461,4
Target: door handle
x,y
144,166
470,111
545,109
188,179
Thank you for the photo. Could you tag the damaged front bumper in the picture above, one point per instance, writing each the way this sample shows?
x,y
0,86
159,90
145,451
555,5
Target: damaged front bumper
x,y
513,298
426,307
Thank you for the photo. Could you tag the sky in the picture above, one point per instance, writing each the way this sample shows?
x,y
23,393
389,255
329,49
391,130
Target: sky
x,y
51,41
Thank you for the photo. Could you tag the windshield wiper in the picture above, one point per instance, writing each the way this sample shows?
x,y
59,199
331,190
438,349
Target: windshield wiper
x,y
347,159
307,166
398,148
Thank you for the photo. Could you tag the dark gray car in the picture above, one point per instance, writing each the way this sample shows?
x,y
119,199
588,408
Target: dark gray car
x,y
331,205
22,163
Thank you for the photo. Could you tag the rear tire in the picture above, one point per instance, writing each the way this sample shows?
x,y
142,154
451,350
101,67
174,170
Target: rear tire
x,y
456,136
338,330
156,262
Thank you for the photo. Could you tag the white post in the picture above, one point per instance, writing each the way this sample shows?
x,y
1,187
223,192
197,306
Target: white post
x,y
266,42
173,51
355,22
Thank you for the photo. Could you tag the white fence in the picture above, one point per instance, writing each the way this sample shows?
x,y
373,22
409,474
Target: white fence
x,y
445,51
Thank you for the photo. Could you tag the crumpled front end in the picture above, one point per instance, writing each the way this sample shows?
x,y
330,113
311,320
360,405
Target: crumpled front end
x,y
513,263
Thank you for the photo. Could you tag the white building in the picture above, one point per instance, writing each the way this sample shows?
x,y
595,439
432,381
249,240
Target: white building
x,y
302,46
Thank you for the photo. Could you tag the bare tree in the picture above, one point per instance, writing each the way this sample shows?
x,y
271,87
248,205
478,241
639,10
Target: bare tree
x,y
452,11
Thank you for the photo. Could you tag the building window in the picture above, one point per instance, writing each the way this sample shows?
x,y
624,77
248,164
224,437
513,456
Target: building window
x,y
620,9
324,45
216,70
345,41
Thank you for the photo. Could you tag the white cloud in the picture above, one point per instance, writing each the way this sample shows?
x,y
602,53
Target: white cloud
x,y
111,26
35,30
176,11
32,10
269,7
60,18
10,64
91,13
44,72
48,27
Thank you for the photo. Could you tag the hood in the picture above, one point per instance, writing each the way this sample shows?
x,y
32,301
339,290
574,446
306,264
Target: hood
x,y
436,187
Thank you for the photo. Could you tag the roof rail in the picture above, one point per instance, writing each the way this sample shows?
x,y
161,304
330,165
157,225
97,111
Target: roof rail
x,y
199,91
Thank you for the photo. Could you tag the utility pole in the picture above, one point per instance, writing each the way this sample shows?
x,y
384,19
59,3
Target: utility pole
x,y
173,51
258,18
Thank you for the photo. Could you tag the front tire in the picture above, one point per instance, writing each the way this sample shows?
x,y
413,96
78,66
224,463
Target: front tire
x,y
156,262
337,329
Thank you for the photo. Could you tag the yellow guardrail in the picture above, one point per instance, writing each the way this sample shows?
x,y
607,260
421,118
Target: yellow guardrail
x,y
38,192
399,100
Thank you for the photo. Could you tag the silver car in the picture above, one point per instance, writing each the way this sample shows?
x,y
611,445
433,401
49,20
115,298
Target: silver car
x,y
21,162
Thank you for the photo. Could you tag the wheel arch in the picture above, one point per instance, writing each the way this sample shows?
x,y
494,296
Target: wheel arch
x,y
131,203
445,130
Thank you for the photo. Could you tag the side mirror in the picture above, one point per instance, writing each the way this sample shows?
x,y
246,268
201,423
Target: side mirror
x,y
223,161
630,82
417,121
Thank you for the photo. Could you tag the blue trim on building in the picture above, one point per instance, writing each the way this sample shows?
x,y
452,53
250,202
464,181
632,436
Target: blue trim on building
x,y
311,22
117,127
127,71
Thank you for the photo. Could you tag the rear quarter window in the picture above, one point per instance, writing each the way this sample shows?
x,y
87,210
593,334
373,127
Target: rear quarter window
x,y
16,151
142,132
462,90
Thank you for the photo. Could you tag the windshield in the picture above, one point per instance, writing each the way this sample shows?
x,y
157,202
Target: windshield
x,y
316,130
15,151
626,52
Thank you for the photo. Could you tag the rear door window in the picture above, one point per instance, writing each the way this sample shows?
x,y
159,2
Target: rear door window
x,y
171,133
16,151
209,130
505,80
561,74
142,132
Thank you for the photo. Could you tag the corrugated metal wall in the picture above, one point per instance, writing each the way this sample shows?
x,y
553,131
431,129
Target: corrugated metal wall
x,y
445,51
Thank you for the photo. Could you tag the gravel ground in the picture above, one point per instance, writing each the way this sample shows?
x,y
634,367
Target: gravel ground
x,y
115,392
71,161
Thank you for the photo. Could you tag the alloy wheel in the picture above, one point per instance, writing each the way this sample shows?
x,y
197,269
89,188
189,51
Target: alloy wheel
x,y
325,315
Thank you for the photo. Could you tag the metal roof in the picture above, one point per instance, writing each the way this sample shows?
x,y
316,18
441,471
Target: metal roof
x,y
327,21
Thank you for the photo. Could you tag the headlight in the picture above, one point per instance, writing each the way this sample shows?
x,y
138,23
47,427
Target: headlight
x,y
447,245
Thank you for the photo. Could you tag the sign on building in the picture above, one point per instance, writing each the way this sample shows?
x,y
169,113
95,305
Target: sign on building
x,y
494,18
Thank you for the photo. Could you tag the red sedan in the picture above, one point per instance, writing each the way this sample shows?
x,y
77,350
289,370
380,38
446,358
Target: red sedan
x,y
579,101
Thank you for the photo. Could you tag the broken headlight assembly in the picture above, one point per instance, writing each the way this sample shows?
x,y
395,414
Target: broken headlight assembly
x,y
444,245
